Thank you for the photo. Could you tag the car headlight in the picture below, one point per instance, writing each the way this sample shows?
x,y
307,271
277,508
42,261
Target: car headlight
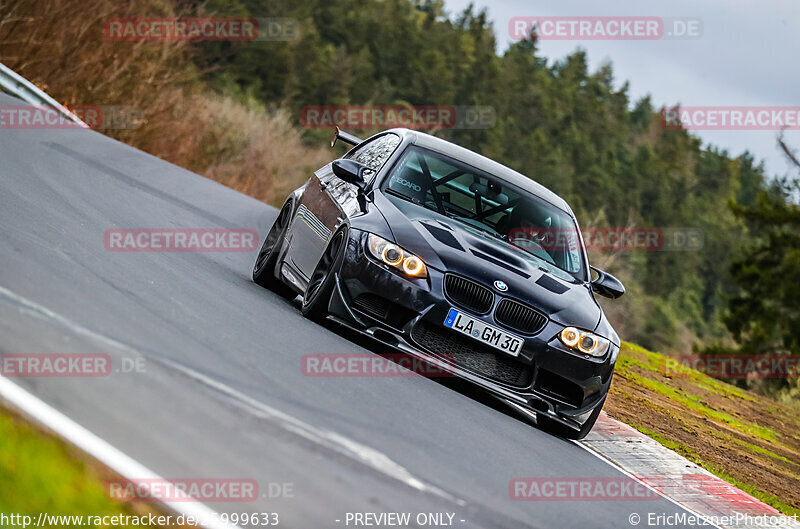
x,y
584,341
394,256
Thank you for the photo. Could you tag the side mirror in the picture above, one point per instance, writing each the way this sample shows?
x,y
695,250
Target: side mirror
x,y
350,171
607,285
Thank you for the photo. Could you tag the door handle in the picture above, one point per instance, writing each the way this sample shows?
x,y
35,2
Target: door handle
x,y
323,186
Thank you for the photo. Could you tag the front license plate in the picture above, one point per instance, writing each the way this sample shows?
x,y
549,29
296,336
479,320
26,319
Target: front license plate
x,y
474,328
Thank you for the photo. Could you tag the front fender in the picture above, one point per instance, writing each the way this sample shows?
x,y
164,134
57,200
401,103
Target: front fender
x,y
372,220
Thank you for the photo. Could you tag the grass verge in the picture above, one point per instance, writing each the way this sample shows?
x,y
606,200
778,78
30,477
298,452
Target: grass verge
x,y
41,474
748,440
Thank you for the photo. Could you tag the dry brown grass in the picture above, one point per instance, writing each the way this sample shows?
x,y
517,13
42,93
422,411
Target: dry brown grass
x,y
255,151
60,46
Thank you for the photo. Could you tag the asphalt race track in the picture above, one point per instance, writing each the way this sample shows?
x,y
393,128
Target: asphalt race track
x,y
222,394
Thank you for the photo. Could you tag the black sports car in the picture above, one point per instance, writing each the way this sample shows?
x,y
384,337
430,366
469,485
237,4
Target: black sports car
x,y
446,255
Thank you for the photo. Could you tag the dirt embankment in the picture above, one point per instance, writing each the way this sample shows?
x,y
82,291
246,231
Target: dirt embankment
x,y
746,439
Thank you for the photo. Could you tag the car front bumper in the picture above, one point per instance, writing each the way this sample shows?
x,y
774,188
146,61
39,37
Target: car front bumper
x,y
408,315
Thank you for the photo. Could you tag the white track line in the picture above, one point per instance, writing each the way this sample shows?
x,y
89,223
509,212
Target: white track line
x,y
366,455
362,453
131,469
616,466
633,477
119,462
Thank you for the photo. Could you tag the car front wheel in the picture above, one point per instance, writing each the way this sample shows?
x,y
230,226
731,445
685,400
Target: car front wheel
x,y
321,285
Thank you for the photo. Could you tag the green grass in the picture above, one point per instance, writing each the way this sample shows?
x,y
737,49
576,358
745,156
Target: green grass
x,y
751,447
657,363
759,450
692,402
652,361
38,474
691,391
769,499
625,362
720,388
691,455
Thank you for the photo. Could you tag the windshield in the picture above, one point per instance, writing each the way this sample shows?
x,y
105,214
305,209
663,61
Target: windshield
x,y
537,229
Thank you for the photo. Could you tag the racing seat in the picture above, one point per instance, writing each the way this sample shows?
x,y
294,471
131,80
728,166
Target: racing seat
x,y
411,183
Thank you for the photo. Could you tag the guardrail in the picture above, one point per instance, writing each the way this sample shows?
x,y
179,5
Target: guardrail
x,y
16,85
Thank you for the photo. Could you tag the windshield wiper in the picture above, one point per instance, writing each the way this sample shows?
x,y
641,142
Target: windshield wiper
x,y
482,230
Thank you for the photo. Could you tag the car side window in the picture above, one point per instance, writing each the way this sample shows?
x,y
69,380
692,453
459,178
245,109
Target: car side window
x,y
374,153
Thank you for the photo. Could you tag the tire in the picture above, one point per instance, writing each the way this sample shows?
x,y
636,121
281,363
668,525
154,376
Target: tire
x,y
320,286
264,268
556,428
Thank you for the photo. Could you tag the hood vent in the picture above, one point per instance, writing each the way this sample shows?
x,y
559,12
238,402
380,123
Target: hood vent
x,y
498,262
443,236
551,284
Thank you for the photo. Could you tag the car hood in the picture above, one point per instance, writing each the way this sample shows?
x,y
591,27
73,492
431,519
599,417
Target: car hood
x,y
450,245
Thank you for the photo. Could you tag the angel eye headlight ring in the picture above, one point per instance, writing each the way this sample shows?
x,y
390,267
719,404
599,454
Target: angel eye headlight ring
x,y
584,341
394,256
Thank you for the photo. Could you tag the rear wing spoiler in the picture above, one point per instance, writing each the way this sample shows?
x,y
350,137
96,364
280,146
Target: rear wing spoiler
x,y
345,137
